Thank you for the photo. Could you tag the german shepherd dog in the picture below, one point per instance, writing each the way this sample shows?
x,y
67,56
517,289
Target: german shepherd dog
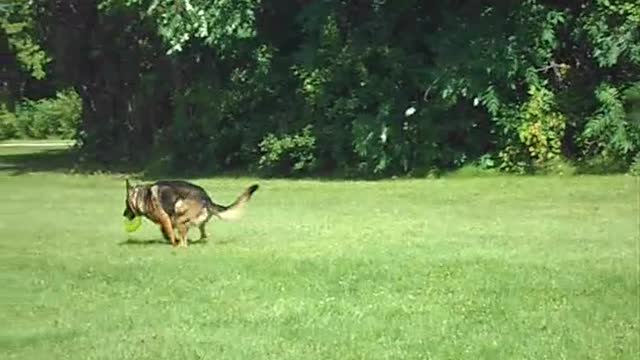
x,y
180,205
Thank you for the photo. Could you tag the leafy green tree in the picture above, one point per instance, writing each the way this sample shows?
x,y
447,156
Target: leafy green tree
x,y
301,86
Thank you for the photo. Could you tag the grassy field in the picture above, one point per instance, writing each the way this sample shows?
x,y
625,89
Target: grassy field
x,y
490,268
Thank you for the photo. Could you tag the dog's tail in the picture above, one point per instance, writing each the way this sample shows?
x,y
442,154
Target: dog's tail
x,y
236,210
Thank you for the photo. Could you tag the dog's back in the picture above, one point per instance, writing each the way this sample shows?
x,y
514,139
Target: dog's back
x,y
171,191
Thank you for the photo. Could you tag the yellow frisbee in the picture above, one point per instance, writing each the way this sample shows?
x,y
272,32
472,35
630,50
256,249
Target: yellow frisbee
x,y
133,224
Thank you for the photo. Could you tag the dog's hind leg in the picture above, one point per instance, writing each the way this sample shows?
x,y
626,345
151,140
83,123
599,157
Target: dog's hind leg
x,y
203,232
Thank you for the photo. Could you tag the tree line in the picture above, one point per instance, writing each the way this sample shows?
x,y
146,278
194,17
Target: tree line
x,y
294,87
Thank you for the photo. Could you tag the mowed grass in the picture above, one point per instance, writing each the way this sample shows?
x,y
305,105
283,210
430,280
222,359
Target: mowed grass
x,y
490,268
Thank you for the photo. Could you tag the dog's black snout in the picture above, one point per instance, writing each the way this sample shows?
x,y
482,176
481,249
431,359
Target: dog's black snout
x,y
128,213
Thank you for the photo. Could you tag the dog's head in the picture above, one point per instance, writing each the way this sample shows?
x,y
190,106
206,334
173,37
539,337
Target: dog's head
x,y
130,208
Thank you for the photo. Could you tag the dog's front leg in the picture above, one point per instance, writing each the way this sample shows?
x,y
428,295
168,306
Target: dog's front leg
x,y
167,229
183,230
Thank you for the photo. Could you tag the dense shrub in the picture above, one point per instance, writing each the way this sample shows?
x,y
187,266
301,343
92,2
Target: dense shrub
x,y
288,153
57,117
8,127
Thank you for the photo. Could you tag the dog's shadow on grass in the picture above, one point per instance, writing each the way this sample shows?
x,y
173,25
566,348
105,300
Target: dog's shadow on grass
x,y
162,242
138,242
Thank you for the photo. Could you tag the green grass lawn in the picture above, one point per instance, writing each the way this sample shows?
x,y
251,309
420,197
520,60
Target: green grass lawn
x,y
456,268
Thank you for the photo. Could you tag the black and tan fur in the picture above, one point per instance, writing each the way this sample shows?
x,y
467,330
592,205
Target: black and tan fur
x,y
180,205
